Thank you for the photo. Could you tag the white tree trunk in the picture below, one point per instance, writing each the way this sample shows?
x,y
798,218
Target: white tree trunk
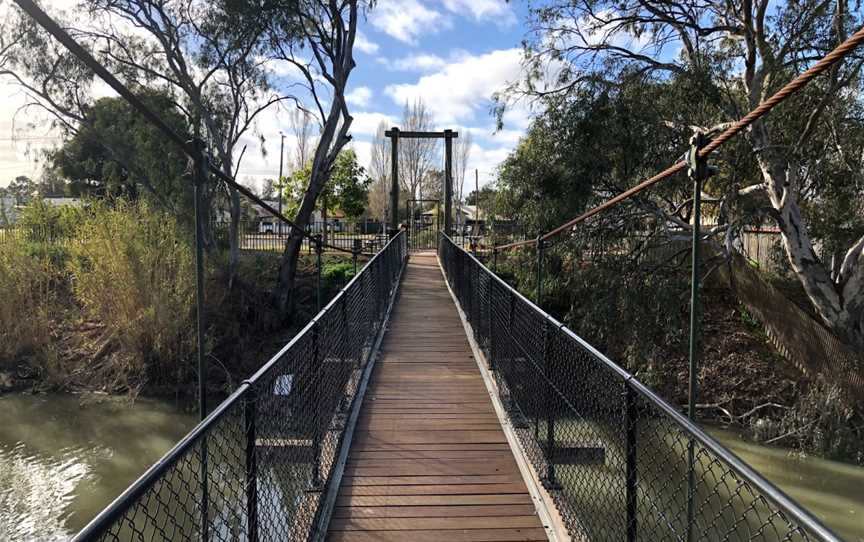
x,y
840,302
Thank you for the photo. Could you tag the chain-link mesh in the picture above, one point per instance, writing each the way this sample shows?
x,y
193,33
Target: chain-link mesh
x,y
618,461
258,466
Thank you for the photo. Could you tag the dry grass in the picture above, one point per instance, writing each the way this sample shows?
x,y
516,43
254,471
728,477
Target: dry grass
x,y
133,273
26,293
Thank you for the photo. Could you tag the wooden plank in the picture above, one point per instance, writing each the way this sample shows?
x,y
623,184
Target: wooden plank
x,y
411,524
422,462
434,446
390,455
434,500
469,479
405,437
429,468
440,511
437,489
473,535
429,460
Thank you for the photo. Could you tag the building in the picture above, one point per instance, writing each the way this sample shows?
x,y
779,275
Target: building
x,y
465,217
63,202
8,211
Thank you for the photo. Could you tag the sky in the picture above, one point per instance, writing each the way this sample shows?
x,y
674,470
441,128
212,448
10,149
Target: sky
x,y
454,54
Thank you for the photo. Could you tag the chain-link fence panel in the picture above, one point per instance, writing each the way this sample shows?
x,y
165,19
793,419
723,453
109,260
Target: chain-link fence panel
x,y
618,462
259,465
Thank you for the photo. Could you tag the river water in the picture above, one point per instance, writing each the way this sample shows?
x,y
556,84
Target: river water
x,y
831,491
61,463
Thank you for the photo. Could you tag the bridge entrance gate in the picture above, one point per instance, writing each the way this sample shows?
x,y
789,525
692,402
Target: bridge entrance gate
x,y
424,223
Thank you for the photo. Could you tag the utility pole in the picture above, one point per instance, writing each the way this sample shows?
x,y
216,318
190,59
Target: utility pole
x,y
477,199
281,155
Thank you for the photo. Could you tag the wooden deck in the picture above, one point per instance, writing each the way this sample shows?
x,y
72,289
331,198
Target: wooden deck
x,y
429,460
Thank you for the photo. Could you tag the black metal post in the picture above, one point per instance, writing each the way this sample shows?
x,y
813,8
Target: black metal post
x,y
630,420
492,297
539,271
448,181
199,177
319,248
409,217
495,260
698,171
550,483
318,396
394,181
251,465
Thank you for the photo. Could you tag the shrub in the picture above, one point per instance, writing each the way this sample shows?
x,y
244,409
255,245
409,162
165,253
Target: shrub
x,y
46,223
26,293
337,273
132,270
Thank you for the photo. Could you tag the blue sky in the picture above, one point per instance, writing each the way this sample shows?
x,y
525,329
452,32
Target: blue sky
x,y
454,54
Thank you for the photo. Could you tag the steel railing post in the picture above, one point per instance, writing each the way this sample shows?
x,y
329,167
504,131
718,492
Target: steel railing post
x,y
630,420
199,177
318,396
491,327
539,289
550,482
319,248
250,409
698,171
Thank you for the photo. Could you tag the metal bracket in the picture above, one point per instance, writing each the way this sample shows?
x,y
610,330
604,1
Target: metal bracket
x,y
697,166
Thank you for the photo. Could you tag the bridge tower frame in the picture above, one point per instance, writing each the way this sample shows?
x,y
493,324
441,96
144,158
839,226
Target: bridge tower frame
x,y
448,136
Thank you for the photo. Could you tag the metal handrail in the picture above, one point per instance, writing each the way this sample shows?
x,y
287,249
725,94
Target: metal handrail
x,y
771,492
109,515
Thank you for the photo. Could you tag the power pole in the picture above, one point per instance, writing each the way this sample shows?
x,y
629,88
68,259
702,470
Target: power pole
x,y
477,202
281,154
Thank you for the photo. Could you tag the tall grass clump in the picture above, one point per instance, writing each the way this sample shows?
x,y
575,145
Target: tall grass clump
x,y
132,271
26,293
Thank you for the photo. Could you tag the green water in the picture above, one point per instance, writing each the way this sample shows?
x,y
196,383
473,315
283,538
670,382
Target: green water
x,y
61,462
832,491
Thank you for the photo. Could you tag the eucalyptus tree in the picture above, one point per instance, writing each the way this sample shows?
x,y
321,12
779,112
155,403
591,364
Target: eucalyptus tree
x,y
805,155
206,57
140,156
322,59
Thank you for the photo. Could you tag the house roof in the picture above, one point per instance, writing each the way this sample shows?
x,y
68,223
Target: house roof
x,y
468,211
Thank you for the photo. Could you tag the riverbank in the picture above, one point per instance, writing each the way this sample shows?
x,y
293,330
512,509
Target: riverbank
x,y
83,353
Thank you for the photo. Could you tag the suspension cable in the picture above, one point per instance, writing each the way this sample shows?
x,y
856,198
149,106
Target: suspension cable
x,y
840,52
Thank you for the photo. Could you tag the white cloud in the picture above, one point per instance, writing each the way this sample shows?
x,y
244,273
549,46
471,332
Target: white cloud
x,y
362,43
406,20
462,88
496,11
421,62
360,96
366,123
363,150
